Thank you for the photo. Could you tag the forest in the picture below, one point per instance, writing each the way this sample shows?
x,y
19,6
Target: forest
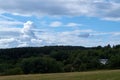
x,y
57,59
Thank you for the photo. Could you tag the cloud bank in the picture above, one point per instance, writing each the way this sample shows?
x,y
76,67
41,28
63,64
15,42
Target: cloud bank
x,y
104,9
29,36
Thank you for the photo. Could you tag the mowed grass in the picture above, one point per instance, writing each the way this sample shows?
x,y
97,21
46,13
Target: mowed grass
x,y
91,75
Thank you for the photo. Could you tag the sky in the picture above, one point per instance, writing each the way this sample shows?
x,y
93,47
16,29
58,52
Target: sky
x,y
35,23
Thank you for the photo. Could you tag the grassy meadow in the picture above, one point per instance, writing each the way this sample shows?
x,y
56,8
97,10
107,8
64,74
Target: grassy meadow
x,y
91,75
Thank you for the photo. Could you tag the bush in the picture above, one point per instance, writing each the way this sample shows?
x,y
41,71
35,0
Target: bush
x,y
13,71
41,65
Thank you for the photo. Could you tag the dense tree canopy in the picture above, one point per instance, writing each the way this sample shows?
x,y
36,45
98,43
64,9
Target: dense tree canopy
x,y
52,59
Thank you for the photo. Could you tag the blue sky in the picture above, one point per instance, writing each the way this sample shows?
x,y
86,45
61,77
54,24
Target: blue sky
x,y
59,22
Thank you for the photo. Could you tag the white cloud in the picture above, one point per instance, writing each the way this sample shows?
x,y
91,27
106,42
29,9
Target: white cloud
x,y
19,37
29,36
61,24
8,43
8,27
5,41
73,25
9,23
111,19
109,9
116,34
2,17
56,24
27,29
22,45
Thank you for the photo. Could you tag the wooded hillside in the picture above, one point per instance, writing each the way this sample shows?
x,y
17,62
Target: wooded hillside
x,y
52,59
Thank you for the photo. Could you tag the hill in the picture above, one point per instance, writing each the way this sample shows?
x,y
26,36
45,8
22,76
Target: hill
x,y
54,59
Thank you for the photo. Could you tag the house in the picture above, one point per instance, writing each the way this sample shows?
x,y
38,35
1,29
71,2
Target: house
x,y
103,61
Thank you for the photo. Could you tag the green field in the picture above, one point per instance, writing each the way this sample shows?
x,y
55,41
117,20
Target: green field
x,y
91,75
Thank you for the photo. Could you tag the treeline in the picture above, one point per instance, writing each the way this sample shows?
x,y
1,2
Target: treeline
x,y
52,59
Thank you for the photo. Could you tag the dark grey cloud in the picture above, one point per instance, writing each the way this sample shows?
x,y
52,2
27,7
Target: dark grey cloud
x,y
35,7
114,13
84,35
117,1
